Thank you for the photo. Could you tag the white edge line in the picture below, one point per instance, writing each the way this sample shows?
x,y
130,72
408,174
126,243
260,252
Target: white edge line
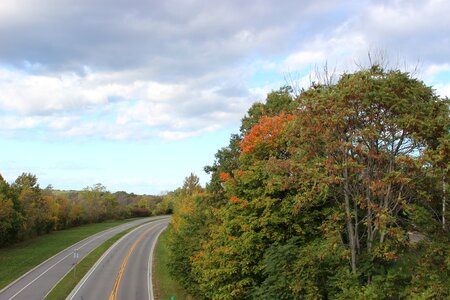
x,y
52,266
67,273
88,274
97,236
150,263
150,221
50,258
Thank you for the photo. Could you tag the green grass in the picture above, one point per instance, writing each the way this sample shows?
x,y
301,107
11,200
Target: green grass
x,y
165,285
20,258
68,283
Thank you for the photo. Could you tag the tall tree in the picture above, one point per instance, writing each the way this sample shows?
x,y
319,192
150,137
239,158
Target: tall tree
x,y
323,198
191,184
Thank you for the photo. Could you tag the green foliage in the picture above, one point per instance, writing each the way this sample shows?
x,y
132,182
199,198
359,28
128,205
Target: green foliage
x,y
226,162
186,234
334,194
188,227
165,286
27,211
276,103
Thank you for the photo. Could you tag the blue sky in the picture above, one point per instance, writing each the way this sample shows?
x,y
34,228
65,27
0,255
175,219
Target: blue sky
x,y
137,94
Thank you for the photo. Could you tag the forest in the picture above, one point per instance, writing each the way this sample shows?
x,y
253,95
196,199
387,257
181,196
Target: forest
x,y
27,211
335,192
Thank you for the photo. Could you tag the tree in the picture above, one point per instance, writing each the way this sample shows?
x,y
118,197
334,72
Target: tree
x,y
8,215
276,103
318,197
378,124
93,200
191,184
26,181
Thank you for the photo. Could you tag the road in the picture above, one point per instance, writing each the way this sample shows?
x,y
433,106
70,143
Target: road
x,y
124,271
38,282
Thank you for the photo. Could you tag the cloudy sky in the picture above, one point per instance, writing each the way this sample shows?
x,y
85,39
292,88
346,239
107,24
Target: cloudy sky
x,y
136,94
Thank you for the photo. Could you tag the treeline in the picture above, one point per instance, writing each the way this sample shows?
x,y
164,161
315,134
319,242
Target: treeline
x,y
336,193
26,210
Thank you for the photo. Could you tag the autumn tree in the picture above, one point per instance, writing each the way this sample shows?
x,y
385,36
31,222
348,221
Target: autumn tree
x,y
98,203
191,184
26,210
10,219
376,127
188,227
336,195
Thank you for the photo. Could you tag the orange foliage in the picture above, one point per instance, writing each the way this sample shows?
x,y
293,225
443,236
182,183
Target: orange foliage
x,y
224,177
234,199
267,131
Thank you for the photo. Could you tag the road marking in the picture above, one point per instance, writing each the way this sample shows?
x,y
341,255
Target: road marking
x,y
92,270
49,259
115,289
10,285
109,230
150,262
52,266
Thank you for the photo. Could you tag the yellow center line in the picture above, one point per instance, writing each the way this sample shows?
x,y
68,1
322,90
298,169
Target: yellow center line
x,y
115,289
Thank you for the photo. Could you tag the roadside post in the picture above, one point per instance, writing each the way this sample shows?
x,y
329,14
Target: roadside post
x,y
75,256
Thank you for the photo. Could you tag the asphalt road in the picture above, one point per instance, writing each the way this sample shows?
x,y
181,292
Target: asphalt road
x,y
124,271
37,283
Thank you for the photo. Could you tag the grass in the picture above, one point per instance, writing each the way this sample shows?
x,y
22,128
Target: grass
x,y
165,285
68,283
20,258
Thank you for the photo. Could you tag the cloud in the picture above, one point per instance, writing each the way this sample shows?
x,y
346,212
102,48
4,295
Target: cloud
x,y
443,90
401,34
174,69
105,105
414,30
169,38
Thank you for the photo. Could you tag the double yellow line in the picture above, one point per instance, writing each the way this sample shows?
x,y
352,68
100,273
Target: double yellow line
x,y
115,289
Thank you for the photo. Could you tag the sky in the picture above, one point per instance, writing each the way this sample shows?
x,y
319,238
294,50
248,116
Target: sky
x,y
137,94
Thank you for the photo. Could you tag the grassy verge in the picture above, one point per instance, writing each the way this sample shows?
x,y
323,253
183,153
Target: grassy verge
x,y
19,258
165,285
68,283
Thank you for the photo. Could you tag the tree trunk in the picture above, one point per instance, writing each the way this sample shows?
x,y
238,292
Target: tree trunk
x,y
387,200
443,203
355,209
348,217
370,234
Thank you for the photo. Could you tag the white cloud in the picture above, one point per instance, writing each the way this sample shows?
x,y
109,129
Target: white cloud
x,y
112,106
14,122
433,70
443,90
29,94
407,18
86,71
131,70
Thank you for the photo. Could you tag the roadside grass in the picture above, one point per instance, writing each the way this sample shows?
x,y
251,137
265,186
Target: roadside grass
x,y
164,284
68,283
19,258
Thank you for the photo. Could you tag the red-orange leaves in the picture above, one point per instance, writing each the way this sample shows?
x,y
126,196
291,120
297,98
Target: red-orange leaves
x,y
234,199
266,131
224,177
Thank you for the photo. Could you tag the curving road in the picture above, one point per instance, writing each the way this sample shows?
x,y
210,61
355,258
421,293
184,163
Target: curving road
x,y
37,283
124,271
